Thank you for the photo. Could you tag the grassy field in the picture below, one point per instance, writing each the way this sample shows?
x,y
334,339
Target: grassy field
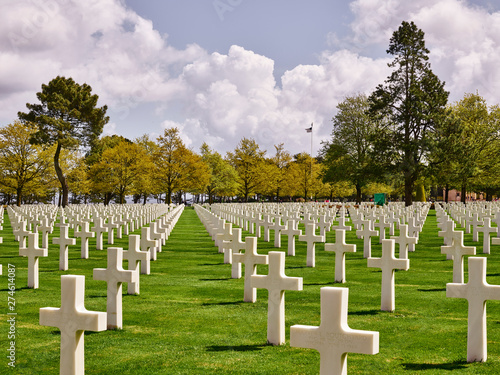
x,y
190,317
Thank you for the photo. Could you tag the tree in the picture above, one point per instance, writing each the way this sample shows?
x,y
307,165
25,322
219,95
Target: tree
x,y
281,163
173,161
223,177
145,185
306,172
67,118
347,155
247,159
22,165
474,144
119,169
412,102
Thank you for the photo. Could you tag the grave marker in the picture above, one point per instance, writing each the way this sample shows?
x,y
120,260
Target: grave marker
x,y
477,291
250,259
115,275
135,258
33,252
333,339
311,238
63,241
340,248
388,263
276,282
456,251
72,319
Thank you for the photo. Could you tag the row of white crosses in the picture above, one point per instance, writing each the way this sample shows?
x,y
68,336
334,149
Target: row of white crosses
x,y
33,252
479,216
388,262
333,338
477,291
73,319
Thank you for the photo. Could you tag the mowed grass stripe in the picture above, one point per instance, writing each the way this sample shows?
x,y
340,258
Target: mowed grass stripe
x,y
190,317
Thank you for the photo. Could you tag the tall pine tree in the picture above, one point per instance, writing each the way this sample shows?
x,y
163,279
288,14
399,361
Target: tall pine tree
x,y
412,103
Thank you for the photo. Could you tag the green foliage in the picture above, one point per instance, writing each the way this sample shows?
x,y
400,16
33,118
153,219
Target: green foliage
x,y
24,168
411,104
247,159
348,154
67,117
223,176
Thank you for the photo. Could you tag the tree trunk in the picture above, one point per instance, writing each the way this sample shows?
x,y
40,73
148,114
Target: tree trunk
x,y
446,192
463,193
60,176
409,182
19,191
168,198
358,194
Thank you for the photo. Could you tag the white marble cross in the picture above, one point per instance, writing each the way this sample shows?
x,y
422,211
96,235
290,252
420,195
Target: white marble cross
x,y
223,239
340,248
136,259
63,241
115,275
45,228
291,231
278,228
72,319
311,238
382,224
21,234
456,251
403,240
267,223
84,233
477,291
234,247
367,232
250,259
147,243
99,229
388,263
487,229
323,225
341,224
33,252
276,282
447,234
111,225
157,235
476,222
334,339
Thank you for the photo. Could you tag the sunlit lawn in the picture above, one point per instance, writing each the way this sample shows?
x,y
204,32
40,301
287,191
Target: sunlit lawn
x,y
190,317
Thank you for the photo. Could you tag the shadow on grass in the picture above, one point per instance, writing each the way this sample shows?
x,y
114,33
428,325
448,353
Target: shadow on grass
x,y
364,312
211,264
456,365
432,290
222,303
86,333
21,288
237,348
315,284
224,279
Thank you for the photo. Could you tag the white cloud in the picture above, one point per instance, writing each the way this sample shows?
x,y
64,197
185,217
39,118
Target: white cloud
x,y
220,97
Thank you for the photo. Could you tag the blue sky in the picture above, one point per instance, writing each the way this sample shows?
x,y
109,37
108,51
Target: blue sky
x,y
220,70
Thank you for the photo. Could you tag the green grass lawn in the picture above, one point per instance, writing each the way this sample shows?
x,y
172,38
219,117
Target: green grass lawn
x,y
190,317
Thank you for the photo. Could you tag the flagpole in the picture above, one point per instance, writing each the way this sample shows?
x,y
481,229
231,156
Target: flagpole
x,y
311,158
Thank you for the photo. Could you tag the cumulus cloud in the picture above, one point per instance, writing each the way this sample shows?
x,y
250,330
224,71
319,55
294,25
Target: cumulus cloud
x,y
220,97
464,39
